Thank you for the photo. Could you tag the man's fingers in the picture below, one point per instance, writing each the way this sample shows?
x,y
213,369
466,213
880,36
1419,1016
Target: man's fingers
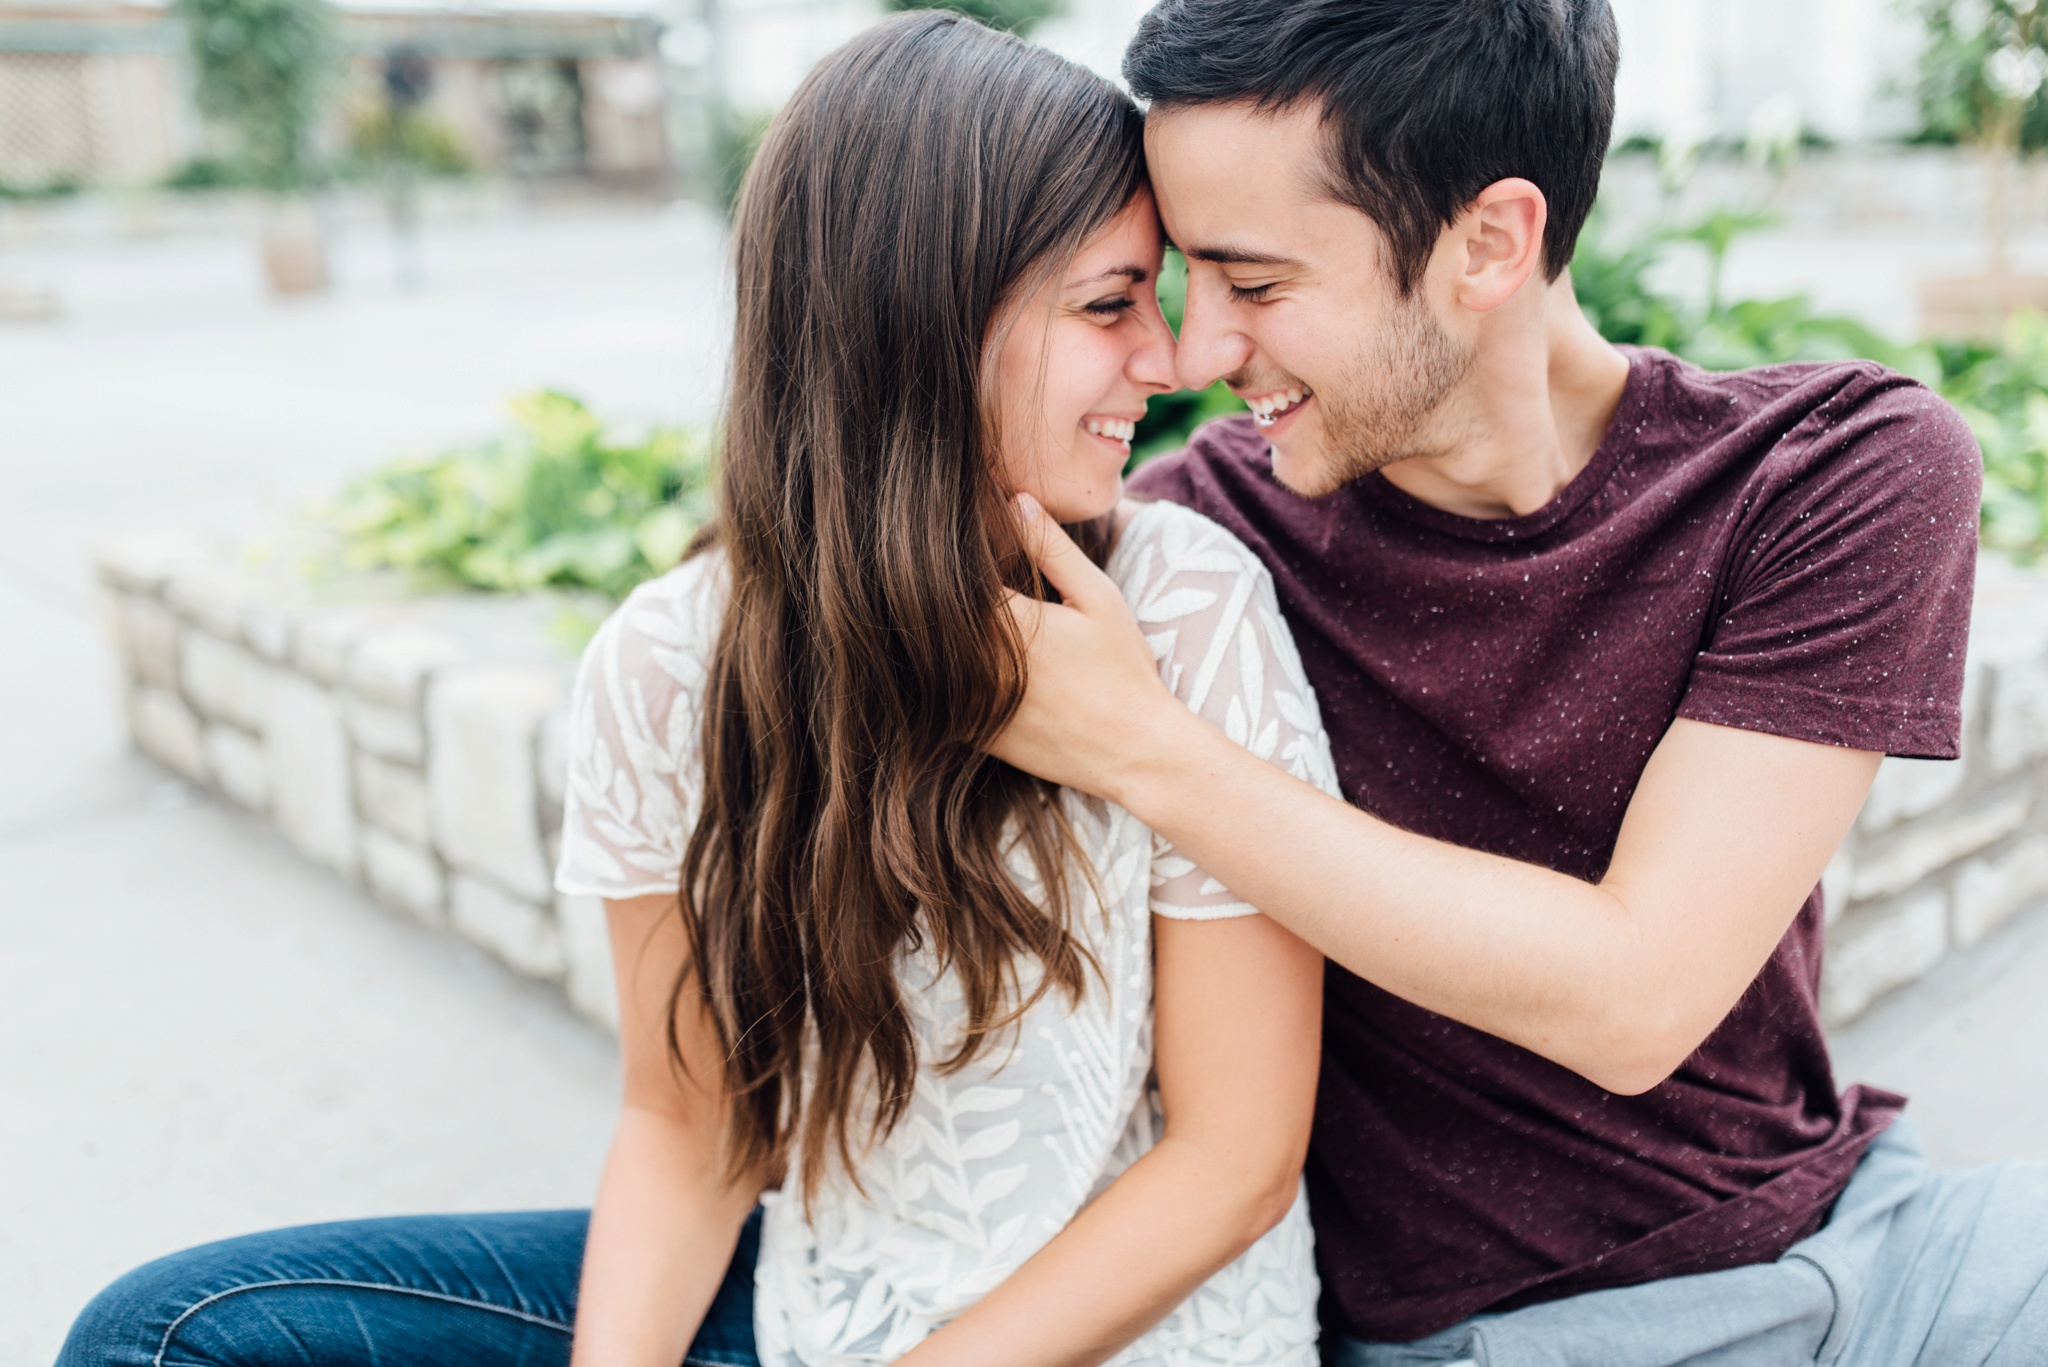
x,y
1080,581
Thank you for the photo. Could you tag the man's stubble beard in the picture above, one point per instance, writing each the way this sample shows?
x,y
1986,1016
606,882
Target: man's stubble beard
x,y
1377,413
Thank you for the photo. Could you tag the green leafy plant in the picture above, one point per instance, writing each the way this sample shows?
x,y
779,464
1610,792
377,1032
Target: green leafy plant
x,y
380,137
2002,392
1019,16
556,504
263,69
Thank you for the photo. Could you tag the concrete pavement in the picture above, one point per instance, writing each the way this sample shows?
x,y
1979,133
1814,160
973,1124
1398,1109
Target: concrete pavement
x,y
205,1034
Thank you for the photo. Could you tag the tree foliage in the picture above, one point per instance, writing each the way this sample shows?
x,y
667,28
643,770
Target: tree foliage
x,y
1981,75
1018,16
263,70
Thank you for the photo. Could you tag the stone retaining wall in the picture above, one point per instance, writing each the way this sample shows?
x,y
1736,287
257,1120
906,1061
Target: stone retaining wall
x,y
416,746
412,745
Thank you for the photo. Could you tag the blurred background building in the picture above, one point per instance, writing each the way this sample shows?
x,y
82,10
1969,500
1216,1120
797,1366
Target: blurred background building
x,y
99,92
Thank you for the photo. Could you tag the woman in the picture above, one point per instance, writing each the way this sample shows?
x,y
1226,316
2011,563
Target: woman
x,y
1011,1082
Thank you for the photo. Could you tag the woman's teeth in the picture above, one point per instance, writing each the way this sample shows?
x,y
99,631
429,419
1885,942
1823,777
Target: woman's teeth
x,y
1270,408
1116,429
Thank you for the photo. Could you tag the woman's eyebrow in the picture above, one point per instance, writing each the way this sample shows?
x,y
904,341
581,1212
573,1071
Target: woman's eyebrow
x,y
1137,275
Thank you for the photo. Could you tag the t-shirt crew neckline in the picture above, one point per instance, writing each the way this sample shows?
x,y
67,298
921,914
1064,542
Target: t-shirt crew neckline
x,y
1581,488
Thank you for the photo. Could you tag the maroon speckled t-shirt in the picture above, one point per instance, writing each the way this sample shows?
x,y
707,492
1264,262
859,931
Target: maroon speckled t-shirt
x,y
1788,550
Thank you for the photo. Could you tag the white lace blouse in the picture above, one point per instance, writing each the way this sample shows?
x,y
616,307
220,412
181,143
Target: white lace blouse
x,y
992,1161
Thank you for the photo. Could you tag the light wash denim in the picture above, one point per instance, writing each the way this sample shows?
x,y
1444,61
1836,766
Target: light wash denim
x,y
414,1291
1914,1268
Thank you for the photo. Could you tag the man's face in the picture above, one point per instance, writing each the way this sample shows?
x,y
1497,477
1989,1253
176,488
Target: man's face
x,y
1291,300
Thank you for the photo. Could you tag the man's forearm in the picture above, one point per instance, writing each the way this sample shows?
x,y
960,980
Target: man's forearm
x,y
1513,949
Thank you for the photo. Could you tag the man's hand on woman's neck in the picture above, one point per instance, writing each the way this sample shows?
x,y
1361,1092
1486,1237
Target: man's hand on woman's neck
x,y
1527,417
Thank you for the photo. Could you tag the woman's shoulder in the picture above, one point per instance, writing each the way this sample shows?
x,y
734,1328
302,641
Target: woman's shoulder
x,y
667,624
1162,541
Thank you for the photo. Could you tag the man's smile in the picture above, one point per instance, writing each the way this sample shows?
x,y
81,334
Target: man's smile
x,y
1271,409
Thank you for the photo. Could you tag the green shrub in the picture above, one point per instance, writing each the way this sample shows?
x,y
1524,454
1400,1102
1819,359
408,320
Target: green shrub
x,y
59,187
558,504
379,137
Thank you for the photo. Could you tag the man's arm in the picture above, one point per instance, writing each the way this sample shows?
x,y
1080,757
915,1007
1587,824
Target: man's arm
x,y
1618,981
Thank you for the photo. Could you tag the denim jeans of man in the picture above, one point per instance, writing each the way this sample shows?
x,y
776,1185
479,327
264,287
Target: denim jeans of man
x,y
412,1291
1914,1268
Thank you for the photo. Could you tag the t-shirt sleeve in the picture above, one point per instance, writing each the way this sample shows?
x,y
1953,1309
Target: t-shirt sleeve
x,y
1208,608
1845,613
633,780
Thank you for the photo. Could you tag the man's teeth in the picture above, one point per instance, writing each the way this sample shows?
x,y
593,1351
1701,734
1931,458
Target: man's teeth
x,y
1268,409
1116,429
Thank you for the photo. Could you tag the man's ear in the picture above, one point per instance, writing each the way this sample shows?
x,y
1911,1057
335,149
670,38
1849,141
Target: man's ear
x,y
1497,244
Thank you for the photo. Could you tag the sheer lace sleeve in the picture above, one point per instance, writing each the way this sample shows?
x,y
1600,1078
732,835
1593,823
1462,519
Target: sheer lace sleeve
x,y
1207,606
633,772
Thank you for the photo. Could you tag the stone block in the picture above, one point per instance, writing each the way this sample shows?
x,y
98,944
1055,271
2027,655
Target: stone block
x,y
268,630
390,668
1879,949
149,641
310,788
587,947
322,643
1836,881
398,733
524,935
239,767
1991,889
167,731
2017,731
212,596
480,773
224,681
393,798
551,771
1906,788
406,877
1906,855
143,561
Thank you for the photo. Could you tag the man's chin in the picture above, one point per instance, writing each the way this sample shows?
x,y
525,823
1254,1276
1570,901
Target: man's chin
x,y
1308,472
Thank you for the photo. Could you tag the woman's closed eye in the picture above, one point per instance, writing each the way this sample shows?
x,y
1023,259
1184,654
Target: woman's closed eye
x,y
1252,294
1114,306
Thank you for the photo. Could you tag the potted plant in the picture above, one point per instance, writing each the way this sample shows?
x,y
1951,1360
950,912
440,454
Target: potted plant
x,y
262,70
1981,85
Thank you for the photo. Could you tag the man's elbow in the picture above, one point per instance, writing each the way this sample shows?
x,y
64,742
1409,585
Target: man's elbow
x,y
1639,1052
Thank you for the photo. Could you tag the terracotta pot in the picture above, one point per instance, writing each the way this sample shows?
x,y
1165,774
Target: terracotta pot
x,y
1978,305
294,249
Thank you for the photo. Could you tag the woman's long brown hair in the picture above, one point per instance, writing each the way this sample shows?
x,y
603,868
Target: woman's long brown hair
x,y
926,176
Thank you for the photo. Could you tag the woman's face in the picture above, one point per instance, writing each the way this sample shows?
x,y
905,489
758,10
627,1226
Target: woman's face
x,y
1082,357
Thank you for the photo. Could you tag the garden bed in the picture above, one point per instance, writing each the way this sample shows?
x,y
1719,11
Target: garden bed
x,y
415,745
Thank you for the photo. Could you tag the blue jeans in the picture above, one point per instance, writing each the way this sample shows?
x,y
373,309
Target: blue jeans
x,y
1914,1268
413,1291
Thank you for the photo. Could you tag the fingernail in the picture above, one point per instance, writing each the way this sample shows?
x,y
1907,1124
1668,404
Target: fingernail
x,y
1027,508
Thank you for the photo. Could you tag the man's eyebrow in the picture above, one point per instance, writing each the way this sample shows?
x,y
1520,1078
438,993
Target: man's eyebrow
x,y
1236,256
1137,275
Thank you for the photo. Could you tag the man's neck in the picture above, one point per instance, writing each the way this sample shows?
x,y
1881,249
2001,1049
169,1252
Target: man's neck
x,y
1527,417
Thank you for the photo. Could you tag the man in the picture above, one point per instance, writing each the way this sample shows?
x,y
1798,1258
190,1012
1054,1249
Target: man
x,y
1609,649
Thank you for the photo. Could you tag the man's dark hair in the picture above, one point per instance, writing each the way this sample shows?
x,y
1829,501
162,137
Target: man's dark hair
x,y
1427,102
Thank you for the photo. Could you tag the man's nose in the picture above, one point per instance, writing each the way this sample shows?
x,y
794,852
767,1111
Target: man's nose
x,y
1210,344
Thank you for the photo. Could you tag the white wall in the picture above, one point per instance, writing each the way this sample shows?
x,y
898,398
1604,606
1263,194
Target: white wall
x,y
1702,67
1698,67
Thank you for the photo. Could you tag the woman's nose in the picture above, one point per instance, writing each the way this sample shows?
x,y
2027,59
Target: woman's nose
x,y
1151,362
